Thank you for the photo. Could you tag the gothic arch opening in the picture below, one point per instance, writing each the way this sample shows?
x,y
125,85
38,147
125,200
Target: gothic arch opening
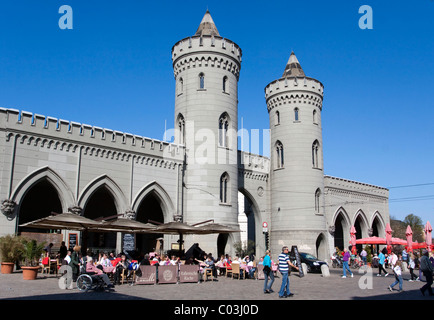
x,y
100,204
246,219
38,202
339,232
321,247
149,209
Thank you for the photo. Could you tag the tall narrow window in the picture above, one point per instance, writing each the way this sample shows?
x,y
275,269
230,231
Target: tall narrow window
x,y
181,86
224,130
201,81
315,154
279,155
296,114
277,118
317,200
315,120
181,129
224,180
225,84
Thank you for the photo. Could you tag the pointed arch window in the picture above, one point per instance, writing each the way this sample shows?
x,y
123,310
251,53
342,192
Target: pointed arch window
x,y
201,81
180,86
315,154
279,155
224,186
181,129
317,200
277,118
225,84
224,122
315,117
296,114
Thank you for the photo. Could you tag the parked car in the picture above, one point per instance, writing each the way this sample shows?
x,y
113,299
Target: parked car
x,y
312,262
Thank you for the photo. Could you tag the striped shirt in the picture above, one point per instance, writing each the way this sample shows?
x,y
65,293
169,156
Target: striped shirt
x,y
283,262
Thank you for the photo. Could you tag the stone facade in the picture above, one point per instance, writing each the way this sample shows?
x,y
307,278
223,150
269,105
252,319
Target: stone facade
x,y
201,174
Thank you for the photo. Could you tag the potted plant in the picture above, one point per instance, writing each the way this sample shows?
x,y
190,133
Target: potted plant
x,y
31,253
10,250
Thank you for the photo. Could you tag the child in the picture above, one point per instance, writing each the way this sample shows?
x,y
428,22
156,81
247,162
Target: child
x,y
398,276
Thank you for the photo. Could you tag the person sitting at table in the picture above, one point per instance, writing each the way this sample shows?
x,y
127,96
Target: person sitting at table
x,y
120,266
104,261
209,262
99,273
145,261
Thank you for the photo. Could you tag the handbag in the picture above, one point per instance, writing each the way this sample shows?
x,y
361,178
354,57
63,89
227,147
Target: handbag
x,y
267,270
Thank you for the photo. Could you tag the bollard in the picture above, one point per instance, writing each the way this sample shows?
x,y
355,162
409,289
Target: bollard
x,y
325,270
404,266
304,266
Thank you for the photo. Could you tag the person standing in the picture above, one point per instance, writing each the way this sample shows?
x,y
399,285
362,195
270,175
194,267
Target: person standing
x,y
427,269
284,264
411,267
75,263
364,256
345,267
398,276
268,273
381,261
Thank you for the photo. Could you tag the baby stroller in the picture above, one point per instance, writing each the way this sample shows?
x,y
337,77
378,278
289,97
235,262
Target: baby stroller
x,y
90,281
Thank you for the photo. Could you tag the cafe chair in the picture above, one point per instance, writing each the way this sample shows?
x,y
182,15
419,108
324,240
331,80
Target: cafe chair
x,y
208,273
236,270
128,275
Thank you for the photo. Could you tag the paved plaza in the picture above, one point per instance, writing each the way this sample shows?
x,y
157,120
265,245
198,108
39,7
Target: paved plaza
x,y
310,287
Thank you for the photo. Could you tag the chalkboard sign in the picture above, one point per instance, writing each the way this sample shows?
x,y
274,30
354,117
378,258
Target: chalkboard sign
x,y
128,242
296,255
72,242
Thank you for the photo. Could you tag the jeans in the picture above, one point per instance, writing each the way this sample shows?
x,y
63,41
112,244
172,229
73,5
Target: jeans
x,y
398,280
345,267
284,288
266,285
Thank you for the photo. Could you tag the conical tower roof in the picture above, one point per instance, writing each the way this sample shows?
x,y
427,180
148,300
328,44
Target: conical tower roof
x,y
293,67
207,26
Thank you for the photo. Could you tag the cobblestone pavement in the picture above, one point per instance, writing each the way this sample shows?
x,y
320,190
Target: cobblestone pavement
x,y
310,287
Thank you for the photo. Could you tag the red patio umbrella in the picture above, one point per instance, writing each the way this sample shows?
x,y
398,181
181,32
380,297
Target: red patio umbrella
x,y
409,234
428,237
353,239
371,240
389,238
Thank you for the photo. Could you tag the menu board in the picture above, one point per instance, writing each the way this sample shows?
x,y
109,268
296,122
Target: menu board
x,y
296,255
128,242
72,241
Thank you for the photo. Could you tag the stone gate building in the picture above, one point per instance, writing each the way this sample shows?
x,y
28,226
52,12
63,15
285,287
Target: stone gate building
x,y
54,165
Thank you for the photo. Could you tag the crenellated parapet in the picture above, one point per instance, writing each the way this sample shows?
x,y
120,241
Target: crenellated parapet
x,y
253,166
301,90
57,134
208,51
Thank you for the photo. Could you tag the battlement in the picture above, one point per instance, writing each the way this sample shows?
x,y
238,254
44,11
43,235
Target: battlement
x,y
253,162
213,51
294,90
48,129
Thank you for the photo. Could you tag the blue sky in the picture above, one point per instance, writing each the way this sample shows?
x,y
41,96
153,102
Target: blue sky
x,y
114,70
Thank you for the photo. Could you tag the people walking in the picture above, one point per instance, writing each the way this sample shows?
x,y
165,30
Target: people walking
x,y
268,272
381,262
284,265
364,256
398,276
345,266
427,269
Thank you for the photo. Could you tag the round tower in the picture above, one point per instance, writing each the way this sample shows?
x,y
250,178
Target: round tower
x,y
294,104
206,69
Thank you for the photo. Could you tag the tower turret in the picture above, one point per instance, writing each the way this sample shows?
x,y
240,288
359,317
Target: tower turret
x,y
206,69
294,104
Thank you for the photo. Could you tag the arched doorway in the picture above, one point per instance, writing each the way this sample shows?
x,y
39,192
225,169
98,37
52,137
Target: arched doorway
x,y
321,247
246,220
222,241
339,232
148,209
38,202
99,204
